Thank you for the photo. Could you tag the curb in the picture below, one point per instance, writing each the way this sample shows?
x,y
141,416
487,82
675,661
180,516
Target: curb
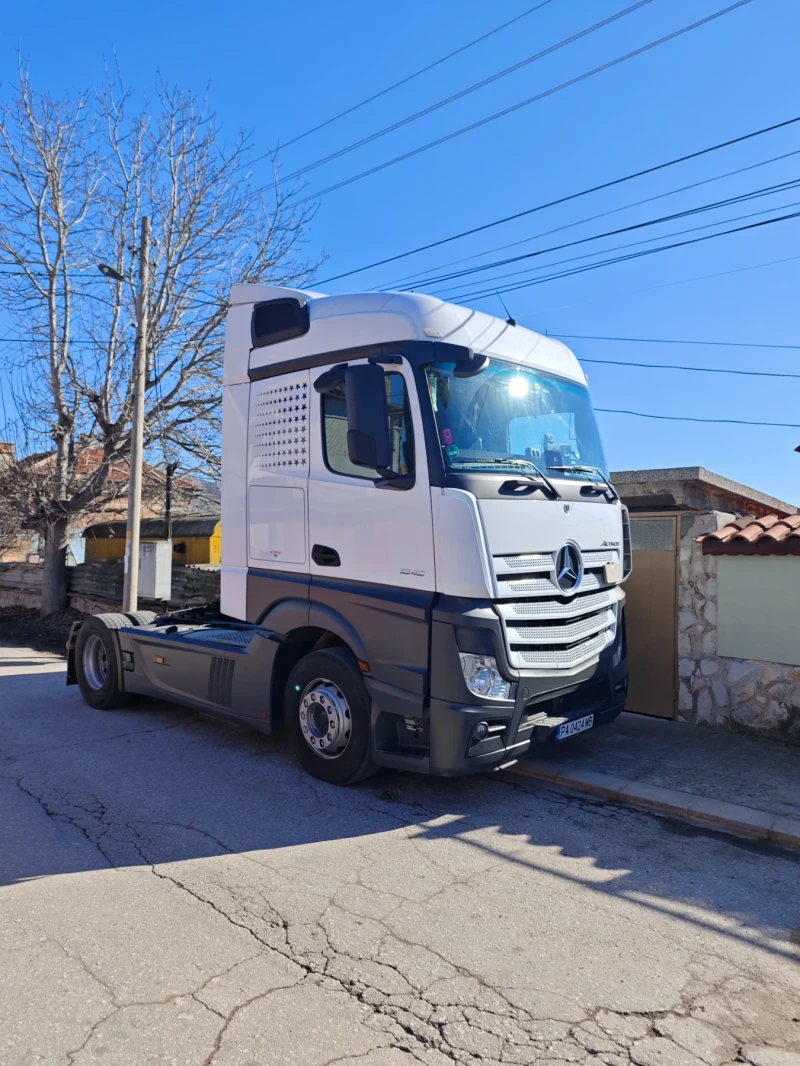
x,y
698,810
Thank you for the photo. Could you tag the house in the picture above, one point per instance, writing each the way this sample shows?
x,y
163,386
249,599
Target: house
x,y
712,601
191,497
196,539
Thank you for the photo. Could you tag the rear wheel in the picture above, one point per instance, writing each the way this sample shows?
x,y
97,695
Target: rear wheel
x,y
327,712
96,666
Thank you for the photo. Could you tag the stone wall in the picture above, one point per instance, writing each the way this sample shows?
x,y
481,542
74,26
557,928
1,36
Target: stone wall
x,y
742,694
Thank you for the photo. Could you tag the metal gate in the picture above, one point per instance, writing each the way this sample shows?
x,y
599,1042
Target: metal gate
x,y
651,610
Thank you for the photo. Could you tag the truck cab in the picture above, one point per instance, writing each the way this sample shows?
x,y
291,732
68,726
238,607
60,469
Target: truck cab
x,y
422,556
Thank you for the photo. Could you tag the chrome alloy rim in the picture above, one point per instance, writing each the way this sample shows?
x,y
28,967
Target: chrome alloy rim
x,y
325,718
95,662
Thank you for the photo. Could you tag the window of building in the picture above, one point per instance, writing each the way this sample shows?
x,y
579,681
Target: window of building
x,y
334,420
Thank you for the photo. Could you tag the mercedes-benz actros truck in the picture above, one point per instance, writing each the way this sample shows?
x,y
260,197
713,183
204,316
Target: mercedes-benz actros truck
x,y
422,554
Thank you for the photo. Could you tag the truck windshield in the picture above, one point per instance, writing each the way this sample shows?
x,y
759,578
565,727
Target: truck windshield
x,y
510,418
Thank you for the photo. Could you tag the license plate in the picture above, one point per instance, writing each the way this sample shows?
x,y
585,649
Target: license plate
x,y
569,729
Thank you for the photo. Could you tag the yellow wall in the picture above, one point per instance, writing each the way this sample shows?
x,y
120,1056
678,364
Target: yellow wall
x,y
106,549
198,549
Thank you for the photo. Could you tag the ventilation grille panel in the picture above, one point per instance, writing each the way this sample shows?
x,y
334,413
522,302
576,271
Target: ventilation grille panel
x,y
220,681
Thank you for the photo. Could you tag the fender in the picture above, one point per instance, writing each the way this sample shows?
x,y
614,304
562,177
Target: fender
x,y
286,615
321,616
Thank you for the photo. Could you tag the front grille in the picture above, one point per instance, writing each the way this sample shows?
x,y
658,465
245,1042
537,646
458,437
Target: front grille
x,y
546,586
565,658
562,607
523,562
594,560
561,633
545,629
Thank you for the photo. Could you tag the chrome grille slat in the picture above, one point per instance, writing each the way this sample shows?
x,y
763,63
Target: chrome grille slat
x,y
540,561
565,658
545,586
551,610
560,634
593,560
545,561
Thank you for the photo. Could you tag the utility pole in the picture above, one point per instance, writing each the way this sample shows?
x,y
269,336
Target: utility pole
x,y
130,597
171,468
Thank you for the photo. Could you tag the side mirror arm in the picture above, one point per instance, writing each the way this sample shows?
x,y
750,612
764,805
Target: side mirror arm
x,y
328,381
390,480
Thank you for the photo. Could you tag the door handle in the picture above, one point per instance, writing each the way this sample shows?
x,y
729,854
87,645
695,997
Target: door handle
x,y
324,556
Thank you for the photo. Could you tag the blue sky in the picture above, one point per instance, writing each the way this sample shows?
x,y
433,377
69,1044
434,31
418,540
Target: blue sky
x,y
278,69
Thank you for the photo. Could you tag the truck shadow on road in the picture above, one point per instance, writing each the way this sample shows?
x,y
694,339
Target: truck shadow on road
x,y
81,790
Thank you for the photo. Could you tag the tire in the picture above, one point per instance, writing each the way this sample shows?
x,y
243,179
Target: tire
x,y
96,664
141,618
326,687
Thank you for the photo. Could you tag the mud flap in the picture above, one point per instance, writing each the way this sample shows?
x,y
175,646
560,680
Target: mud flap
x,y
72,640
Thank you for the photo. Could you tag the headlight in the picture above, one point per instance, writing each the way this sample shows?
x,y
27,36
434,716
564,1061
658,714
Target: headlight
x,y
483,678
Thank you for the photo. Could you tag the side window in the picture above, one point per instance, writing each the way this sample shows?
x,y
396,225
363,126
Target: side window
x,y
334,421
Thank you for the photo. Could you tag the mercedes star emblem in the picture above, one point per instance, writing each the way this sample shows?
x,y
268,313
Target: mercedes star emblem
x,y
569,568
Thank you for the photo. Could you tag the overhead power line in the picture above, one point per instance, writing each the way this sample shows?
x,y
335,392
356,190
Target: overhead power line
x,y
624,258
659,340
421,274
564,199
686,418
35,340
661,285
522,103
694,369
408,78
528,272
715,205
468,90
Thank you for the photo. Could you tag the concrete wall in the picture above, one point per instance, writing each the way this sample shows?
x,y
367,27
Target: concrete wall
x,y
733,692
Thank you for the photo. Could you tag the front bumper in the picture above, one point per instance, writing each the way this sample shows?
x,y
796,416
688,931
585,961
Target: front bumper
x,y
540,703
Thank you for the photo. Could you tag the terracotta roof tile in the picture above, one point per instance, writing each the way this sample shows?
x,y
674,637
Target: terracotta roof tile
x,y
768,535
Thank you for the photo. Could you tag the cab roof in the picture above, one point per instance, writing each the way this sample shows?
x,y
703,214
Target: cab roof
x,y
355,319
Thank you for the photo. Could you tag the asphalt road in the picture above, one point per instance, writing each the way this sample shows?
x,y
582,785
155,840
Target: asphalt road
x,y
176,891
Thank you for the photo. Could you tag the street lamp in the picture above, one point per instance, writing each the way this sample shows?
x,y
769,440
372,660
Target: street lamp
x,y
130,595
110,272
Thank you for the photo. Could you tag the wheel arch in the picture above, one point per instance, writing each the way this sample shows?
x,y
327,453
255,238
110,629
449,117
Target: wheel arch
x,y
328,630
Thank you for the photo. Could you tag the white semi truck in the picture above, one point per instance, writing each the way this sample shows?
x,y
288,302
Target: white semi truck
x,y
422,555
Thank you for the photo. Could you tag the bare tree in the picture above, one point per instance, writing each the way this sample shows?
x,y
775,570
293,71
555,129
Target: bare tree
x,y
10,513
77,175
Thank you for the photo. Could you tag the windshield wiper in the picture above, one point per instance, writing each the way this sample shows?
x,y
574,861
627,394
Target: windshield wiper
x,y
512,461
526,462
590,470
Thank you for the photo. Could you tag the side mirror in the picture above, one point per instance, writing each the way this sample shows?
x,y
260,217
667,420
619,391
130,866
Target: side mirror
x,y
368,442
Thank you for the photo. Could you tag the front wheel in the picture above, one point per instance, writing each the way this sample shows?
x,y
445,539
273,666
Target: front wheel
x,y
96,666
327,713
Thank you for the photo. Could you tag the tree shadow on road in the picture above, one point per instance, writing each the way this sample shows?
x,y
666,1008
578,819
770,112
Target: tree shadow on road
x,y
81,790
